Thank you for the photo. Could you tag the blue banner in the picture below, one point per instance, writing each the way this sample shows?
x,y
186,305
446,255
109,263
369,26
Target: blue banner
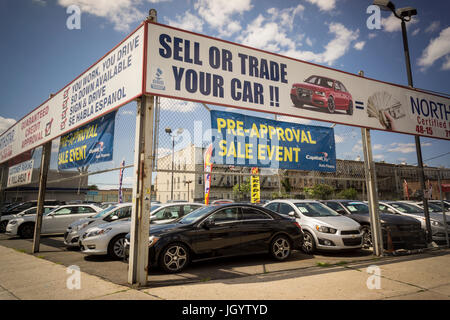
x,y
242,140
91,143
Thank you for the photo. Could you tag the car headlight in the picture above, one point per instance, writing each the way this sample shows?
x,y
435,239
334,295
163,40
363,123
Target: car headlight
x,y
320,93
325,229
436,223
12,222
98,232
152,240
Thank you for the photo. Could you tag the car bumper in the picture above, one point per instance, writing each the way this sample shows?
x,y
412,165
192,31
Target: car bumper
x,y
94,246
12,230
72,239
328,241
314,99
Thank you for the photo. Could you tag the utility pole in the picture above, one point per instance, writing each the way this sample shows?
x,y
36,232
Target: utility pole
x,y
372,191
45,164
143,165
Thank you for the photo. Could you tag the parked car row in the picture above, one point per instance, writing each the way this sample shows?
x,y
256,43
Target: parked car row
x,y
183,232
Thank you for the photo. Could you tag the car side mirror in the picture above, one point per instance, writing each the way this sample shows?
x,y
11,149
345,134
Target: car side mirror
x,y
341,211
114,218
291,214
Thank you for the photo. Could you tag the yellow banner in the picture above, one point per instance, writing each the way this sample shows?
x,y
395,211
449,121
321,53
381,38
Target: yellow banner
x,y
255,186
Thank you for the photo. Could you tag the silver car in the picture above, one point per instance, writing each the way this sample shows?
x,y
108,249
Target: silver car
x,y
323,228
109,238
110,214
408,208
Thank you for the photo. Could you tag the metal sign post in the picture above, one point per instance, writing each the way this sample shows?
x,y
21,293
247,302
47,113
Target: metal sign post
x,y
444,215
372,193
140,220
45,163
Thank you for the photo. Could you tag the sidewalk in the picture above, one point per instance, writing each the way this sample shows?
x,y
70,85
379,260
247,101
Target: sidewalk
x,y
421,276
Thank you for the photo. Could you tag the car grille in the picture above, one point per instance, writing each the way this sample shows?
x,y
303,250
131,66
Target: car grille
x,y
352,242
302,92
344,232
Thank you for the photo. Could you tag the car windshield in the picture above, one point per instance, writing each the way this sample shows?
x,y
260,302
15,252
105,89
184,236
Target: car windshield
x,y
312,209
154,207
406,207
104,211
433,207
356,207
196,215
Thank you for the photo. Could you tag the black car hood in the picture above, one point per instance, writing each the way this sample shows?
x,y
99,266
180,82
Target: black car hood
x,y
386,218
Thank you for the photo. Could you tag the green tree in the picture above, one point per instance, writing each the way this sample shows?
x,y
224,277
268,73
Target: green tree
x,y
242,191
349,193
320,191
92,187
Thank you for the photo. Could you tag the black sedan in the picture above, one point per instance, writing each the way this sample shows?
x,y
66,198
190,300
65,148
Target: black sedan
x,y
405,232
219,231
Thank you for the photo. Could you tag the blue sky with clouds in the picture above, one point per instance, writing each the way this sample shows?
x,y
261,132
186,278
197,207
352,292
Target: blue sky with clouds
x,y
40,55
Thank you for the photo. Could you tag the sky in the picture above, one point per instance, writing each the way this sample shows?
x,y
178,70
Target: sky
x,y
40,55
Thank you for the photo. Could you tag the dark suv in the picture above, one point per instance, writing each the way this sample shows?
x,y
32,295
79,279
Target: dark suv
x,y
322,92
405,233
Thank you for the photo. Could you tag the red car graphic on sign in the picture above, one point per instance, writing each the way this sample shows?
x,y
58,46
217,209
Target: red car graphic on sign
x,y
322,92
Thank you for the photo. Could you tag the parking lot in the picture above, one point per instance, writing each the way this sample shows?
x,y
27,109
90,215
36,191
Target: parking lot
x,y
53,249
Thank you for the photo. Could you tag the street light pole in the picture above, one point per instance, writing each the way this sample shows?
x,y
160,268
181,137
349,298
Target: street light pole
x,y
403,14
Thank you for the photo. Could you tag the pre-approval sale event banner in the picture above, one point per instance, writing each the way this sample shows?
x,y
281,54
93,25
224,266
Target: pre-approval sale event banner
x,y
113,81
189,66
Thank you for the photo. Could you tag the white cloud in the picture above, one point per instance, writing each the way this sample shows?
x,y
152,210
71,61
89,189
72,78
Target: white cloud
x,y
121,13
359,45
6,123
309,42
406,147
378,157
178,105
392,23
436,49
324,5
187,21
416,32
218,14
434,26
338,138
377,147
127,113
335,49
372,35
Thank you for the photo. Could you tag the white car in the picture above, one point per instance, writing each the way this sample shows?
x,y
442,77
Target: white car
x,y
5,219
109,238
323,228
74,231
53,222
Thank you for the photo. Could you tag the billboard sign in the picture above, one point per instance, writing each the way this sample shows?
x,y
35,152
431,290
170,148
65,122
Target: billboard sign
x,y
91,143
20,174
116,79
241,140
190,66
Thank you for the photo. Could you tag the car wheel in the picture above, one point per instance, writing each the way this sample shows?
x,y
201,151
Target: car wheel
x,y
309,244
350,108
280,248
174,258
3,225
116,247
331,105
26,231
367,237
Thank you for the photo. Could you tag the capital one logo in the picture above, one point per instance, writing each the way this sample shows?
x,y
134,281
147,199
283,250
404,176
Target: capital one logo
x,y
374,20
